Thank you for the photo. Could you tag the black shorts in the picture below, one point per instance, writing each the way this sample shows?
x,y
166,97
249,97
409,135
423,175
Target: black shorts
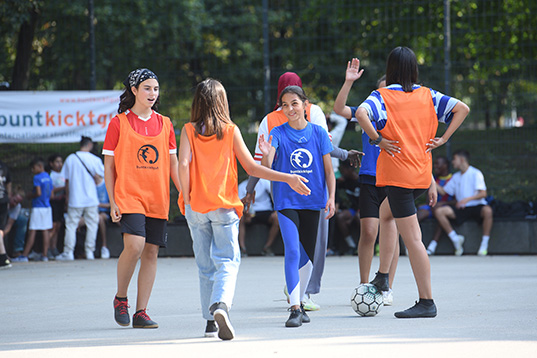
x,y
154,230
58,209
4,212
370,199
402,200
261,217
469,212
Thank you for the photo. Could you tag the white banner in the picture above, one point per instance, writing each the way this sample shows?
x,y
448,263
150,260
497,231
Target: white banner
x,y
56,116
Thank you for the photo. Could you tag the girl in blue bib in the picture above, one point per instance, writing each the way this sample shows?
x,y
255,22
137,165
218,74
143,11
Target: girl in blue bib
x,y
299,147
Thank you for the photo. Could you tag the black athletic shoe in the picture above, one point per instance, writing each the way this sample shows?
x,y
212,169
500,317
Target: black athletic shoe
x,y
142,320
121,312
419,310
381,281
221,316
305,317
295,318
211,330
4,262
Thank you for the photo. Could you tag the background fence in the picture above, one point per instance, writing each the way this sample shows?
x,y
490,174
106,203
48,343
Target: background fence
x,y
482,51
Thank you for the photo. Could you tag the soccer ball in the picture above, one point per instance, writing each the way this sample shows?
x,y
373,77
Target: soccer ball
x,y
366,300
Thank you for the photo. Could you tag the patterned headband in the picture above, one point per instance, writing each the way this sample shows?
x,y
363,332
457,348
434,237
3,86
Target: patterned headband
x,y
138,76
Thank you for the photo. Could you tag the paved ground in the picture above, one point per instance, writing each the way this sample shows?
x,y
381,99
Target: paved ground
x,y
487,308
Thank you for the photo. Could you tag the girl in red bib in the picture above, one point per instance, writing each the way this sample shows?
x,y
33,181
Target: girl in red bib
x,y
210,146
140,155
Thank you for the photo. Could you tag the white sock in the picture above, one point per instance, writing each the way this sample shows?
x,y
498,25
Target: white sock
x,y
432,246
453,236
485,242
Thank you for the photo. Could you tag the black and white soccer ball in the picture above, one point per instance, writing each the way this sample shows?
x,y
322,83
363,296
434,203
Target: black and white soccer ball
x,y
366,300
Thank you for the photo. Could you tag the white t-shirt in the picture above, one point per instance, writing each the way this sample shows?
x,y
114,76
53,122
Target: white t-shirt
x,y
15,211
58,180
465,185
82,189
337,133
263,201
317,117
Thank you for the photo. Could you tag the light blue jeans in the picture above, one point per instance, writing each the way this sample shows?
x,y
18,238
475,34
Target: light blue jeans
x,y
216,247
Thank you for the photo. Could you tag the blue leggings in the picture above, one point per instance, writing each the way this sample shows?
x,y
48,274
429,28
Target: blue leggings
x,y
299,233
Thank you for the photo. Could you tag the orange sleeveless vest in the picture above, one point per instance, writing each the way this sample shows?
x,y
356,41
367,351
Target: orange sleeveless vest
x,y
213,172
143,171
277,118
413,122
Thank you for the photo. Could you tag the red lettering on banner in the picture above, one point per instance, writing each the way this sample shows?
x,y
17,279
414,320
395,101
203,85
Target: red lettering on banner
x,y
90,116
50,119
59,118
80,119
68,124
102,120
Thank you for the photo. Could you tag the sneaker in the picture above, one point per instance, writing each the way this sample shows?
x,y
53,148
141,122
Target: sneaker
x,y
211,330
50,254
305,317
267,252
34,256
295,318
482,252
431,248
141,320
309,305
5,263
90,255
20,258
221,316
42,258
121,312
381,281
286,293
105,253
419,310
244,253
65,256
387,297
458,245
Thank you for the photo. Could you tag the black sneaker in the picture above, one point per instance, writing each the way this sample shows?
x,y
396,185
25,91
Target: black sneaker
x,y
381,281
295,318
419,310
142,320
305,317
121,312
221,316
4,262
211,330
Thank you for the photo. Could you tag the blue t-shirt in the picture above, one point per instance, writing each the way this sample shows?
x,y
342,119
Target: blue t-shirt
x,y
103,197
42,180
300,152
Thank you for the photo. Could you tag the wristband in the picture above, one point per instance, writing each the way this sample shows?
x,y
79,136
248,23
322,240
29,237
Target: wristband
x,y
376,141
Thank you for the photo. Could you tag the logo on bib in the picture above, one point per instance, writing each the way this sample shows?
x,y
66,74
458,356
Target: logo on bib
x,y
148,154
301,158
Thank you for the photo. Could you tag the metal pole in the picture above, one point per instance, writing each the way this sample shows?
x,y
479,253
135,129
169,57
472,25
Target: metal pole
x,y
447,60
93,76
266,63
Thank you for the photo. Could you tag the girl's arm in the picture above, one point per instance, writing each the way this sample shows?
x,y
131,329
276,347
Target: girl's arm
x,y
110,182
365,123
352,74
460,111
174,171
432,194
185,153
331,184
256,170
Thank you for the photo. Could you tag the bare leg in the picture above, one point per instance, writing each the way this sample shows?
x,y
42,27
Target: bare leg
x,y
102,227
486,214
29,243
388,237
133,247
46,241
442,215
146,276
2,246
242,233
366,246
411,233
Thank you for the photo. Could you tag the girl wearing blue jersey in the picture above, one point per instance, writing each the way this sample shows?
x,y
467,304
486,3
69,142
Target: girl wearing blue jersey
x,y
303,148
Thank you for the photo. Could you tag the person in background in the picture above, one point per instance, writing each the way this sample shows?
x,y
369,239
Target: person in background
x,y
57,202
5,191
104,215
17,220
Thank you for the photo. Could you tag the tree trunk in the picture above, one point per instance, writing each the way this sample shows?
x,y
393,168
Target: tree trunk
x,y
21,69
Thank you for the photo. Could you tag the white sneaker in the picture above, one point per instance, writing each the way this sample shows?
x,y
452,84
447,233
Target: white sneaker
x,y
89,255
387,296
309,305
34,256
65,256
105,253
482,252
458,245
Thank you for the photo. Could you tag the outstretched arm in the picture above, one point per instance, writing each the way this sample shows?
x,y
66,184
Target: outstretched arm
x,y
352,74
185,152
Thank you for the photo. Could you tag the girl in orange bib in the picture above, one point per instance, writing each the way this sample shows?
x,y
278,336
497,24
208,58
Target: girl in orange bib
x,y
407,117
210,146
140,155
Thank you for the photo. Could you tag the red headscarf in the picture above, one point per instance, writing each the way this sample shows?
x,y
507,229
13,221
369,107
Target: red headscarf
x,y
286,80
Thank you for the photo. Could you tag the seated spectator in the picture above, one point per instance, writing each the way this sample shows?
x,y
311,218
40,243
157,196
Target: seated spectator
x,y
57,202
442,176
348,215
17,220
41,213
469,189
261,211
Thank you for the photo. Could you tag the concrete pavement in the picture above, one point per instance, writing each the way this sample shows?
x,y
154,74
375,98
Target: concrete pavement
x,y
487,308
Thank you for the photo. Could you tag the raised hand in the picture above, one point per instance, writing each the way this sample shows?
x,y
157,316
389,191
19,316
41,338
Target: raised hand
x,y
353,70
265,146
